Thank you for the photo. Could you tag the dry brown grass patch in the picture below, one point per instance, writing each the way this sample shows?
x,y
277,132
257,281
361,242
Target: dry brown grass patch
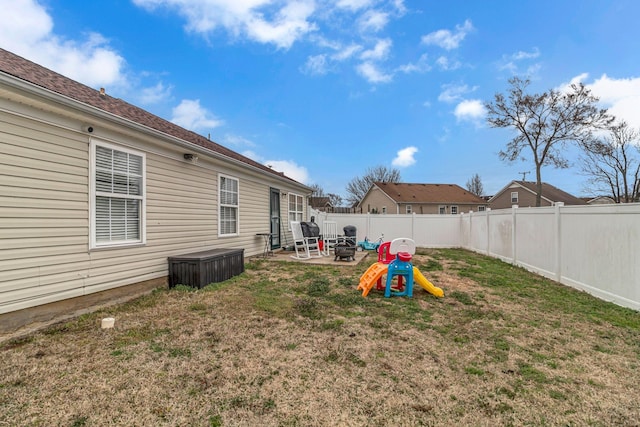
x,y
291,345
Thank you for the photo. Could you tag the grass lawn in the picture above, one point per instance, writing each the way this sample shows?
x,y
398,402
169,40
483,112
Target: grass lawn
x,y
288,344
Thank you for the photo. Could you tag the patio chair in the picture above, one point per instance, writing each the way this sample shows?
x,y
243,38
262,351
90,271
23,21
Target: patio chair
x,y
305,247
329,236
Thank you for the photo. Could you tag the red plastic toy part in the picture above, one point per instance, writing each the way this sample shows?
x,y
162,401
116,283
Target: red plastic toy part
x,y
404,256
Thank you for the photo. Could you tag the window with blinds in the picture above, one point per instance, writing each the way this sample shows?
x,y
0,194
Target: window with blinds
x,y
119,196
229,201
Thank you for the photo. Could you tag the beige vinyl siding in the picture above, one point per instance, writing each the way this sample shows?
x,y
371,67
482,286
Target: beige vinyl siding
x,y
376,199
44,213
526,198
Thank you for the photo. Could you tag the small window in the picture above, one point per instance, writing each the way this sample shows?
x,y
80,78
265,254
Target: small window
x,y
384,210
296,208
454,210
118,196
409,209
514,197
229,204
481,208
442,210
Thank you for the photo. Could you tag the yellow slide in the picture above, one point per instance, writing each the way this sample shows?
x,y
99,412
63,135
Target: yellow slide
x,y
371,276
426,284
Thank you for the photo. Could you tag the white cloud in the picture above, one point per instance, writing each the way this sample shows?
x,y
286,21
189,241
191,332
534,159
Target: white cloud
x,y
155,94
191,115
324,63
289,25
452,93
346,52
470,110
405,157
252,155
372,74
580,78
419,67
446,39
253,19
373,20
520,55
445,64
369,69
620,96
27,30
315,65
290,169
25,23
354,4
379,52
511,62
237,141
400,7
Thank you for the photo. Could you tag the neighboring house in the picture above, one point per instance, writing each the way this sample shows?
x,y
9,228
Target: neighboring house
x,y
402,198
322,204
598,200
523,194
96,194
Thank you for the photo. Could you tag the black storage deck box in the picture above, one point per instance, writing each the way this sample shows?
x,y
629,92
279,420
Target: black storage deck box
x,y
198,269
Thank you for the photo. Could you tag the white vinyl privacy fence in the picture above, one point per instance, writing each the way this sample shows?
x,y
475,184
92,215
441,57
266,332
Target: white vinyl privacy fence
x,y
592,248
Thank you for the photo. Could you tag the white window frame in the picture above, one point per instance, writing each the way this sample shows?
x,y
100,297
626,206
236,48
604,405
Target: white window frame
x,y
442,210
408,209
384,210
235,206
514,200
482,208
454,210
295,214
94,193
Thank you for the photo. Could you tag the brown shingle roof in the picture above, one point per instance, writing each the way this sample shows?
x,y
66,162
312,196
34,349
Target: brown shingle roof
x,y
552,193
428,193
36,74
319,202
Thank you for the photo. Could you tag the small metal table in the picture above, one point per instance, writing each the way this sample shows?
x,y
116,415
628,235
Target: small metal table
x,y
267,244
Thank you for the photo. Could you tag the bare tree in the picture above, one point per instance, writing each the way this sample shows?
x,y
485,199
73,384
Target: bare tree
x,y
335,199
545,122
613,163
358,186
317,191
474,185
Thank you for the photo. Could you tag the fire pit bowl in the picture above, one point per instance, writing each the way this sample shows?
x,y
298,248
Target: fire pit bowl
x,y
344,251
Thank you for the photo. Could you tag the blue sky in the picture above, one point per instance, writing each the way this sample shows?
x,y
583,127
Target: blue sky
x,y
324,89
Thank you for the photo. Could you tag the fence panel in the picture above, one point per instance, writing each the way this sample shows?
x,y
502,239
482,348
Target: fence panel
x,y
435,231
600,251
593,248
500,235
535,240
477,234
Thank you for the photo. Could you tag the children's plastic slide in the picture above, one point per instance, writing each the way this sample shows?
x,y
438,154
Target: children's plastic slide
x,y
375,271
371,276
419,278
